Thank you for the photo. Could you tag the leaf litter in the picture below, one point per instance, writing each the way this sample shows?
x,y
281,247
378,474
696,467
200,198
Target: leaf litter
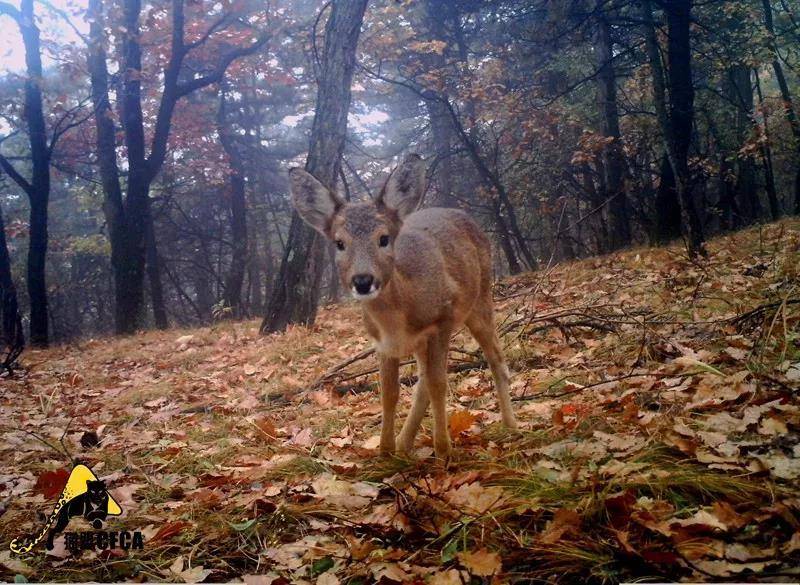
x,y
660,438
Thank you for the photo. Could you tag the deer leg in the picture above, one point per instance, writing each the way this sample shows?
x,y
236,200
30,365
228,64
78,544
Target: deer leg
x,y
433,369
481,325
390,390
419,405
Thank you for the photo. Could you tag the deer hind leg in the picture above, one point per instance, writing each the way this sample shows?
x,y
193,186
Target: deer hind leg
x,y
390,390
419,406
481,325
433,371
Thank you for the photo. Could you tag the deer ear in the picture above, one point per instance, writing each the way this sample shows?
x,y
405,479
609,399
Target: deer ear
x,y
315,203
405,187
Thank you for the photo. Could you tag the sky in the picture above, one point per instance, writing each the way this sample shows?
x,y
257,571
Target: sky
x,y
12,51
52,25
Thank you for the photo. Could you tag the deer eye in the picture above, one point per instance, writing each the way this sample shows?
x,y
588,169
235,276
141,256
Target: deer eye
x,y
340,245
384,241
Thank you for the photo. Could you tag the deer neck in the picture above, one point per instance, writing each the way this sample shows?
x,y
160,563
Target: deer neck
x,y
391,299
386,316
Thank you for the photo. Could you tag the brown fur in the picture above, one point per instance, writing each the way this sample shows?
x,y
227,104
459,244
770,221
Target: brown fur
x,y
433,278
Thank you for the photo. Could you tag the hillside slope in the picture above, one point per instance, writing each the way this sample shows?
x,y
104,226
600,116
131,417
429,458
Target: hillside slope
x,y
660,437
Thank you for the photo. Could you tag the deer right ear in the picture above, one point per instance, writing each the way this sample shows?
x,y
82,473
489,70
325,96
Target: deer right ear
x,y
315,203
405,187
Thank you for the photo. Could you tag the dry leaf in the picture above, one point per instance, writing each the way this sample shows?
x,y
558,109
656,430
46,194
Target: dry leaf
x,y
482,563
460,421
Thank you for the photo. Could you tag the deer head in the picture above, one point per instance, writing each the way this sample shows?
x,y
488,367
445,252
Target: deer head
x,y
364,232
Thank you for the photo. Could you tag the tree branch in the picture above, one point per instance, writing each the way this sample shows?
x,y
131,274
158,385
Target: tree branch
x,y
215,76
12,172
13,12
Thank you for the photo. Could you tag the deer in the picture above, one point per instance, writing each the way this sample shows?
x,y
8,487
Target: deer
x,y
419,276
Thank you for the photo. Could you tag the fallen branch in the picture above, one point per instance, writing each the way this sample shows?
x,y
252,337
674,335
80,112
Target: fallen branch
x,y
760,311
462,366
579,388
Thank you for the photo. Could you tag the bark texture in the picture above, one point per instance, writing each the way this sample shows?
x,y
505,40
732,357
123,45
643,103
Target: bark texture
x,y
791,114
13,338
234,279
676,117
614,161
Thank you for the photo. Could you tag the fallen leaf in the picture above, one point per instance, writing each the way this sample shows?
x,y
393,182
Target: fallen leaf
x,y
169,530
564,521
460,421
781,466
389,571
447,577
476,498
350,495
195,574
51,483
372,443
482,563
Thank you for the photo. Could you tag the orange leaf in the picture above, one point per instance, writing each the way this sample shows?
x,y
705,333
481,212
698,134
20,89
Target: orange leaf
x,y
170,529
267,428
460,421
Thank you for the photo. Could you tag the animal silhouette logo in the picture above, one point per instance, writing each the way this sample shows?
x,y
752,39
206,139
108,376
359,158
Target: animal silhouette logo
x,y
84,495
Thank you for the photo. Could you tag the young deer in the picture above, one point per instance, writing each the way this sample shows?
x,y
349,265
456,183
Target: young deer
x,y
419,276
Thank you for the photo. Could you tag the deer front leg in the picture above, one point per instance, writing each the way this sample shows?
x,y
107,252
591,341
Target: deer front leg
x,y
433,369
390,390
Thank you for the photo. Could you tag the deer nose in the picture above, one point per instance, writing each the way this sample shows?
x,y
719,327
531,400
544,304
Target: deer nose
x,y
363,283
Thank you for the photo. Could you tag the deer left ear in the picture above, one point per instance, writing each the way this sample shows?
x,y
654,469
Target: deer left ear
x,y
405,187
315,203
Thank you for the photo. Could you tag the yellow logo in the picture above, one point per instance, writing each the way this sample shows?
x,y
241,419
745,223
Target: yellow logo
x,y
84,495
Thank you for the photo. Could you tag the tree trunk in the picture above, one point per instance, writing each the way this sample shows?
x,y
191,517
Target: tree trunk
x,y
728,207
614,162
13,340
766,159
505,239
668,210
125,218
38,188
676,118
742,93
37,286
234,279
442,138
681,116
153,264
791,115
296,292
238,205
441,126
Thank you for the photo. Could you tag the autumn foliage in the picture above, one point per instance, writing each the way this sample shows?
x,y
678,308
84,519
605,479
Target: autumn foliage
x,y
659,411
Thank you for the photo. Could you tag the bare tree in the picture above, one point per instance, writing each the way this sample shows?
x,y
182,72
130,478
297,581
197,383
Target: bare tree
x,y
37,188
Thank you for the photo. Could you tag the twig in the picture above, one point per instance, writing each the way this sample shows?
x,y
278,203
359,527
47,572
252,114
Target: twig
x,y
596,384
50,445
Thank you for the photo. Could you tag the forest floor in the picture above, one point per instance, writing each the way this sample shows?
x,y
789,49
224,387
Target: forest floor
x,y
660,439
